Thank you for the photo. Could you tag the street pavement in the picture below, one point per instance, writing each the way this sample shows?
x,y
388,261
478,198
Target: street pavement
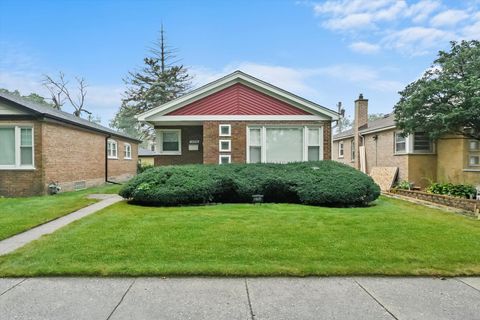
x,y
240,298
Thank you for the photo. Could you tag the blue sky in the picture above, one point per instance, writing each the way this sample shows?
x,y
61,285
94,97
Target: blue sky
x,y
326,51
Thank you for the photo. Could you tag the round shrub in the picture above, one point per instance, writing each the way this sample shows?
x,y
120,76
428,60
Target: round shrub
x,y
314,183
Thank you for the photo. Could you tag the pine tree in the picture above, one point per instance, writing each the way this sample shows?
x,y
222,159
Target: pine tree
x,y
161,79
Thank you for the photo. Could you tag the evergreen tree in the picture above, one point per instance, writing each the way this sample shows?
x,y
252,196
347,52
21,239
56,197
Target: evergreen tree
x,y
160,80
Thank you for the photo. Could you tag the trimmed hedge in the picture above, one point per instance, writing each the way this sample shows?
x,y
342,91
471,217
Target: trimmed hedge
x,y
315,183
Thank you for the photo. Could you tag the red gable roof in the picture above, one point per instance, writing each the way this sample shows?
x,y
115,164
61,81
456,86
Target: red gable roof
x,y
238,99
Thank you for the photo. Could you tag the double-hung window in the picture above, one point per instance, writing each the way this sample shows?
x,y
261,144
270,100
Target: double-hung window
x,y
313,140
170,141
474,153
127,148
255,145
16,147
112,149
400,143
340,149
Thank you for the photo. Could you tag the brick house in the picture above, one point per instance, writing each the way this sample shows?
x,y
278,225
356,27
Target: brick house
x,y
40,145
419,160
240,119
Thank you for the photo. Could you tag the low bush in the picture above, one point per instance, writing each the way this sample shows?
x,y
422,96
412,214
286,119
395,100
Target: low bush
x,y
454,190
314,183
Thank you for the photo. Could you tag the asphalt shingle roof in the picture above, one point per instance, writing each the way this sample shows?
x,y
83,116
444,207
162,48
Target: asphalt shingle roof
x,y
62,115
385,122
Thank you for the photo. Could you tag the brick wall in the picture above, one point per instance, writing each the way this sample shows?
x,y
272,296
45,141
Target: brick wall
x,y
239,143
25,182
187,156
122,169
459,203
347,152
65,154
380,153
72,155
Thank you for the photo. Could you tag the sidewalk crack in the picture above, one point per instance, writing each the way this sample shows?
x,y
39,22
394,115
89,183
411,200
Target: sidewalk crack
x,y
17,284
252,315
461,281
121,300
376,300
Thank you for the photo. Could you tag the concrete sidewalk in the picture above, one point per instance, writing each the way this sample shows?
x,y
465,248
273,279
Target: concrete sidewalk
x,y
13,243
240,298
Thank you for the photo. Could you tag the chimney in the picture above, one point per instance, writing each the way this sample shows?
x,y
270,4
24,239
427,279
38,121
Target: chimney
x,y
360,122
361,112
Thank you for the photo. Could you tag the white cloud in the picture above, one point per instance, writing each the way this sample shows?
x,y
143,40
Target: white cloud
x,y
294,80
300,81
421,10
448,18
364,47
412,28
417,40
352,21
471,32
363,75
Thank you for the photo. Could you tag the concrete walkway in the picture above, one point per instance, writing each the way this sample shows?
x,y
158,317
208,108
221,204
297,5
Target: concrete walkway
x,y
240,298
13,243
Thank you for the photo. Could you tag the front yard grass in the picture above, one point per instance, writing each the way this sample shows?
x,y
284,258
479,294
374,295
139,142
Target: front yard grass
x,y
392,237
20,214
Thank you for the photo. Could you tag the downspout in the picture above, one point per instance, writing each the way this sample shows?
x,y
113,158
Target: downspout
x,y
106,161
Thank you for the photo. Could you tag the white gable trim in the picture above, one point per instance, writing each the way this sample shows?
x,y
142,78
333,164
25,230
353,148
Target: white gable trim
x,y
229,80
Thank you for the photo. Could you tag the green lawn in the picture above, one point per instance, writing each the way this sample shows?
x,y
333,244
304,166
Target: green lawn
x,y
20,214
392,237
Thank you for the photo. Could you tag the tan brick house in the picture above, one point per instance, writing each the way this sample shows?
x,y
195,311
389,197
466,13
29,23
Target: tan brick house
x,y
419,160
40,146
240,119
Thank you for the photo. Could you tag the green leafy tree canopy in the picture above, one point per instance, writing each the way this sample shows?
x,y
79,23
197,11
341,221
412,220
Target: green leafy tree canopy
x,y
446,99
33,97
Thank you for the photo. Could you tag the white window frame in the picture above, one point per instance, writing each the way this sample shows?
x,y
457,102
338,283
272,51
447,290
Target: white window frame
x,y
473,152
263,140
160,142
229,134
127,155
395,134
18,166
229,149
109,149
341,150
306,137
228,156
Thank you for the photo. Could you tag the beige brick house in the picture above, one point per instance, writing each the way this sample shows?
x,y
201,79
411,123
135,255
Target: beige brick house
x,y
40,146
240,119
418,159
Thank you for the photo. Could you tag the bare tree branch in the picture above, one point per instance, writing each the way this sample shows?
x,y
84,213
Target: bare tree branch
x,y
60,92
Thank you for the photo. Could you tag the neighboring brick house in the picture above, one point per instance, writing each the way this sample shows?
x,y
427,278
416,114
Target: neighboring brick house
x,y
240,119
419,160
40,145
